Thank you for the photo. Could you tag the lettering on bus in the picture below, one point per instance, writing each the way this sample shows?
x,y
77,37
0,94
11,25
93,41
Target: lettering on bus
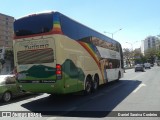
x,y
32,45
113,54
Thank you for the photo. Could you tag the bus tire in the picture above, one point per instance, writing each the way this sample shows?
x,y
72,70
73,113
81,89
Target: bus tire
x,y
88,85
95,83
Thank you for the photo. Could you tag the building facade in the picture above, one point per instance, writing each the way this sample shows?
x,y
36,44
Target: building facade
x,y
6,41
158,44
6,30
149,42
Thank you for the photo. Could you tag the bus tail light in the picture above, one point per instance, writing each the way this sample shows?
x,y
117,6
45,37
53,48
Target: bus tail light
x,y
58,71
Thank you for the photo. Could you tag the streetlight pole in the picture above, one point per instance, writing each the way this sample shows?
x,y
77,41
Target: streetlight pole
x,y
113,32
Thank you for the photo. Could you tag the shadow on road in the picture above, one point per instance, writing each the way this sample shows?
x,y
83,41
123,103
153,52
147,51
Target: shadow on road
x,y
98,104
19,98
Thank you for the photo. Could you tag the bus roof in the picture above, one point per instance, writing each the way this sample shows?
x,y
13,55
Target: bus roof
x,y
74,29
78,31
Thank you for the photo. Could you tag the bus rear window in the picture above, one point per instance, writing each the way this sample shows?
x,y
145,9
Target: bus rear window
x,y
35,56
35,24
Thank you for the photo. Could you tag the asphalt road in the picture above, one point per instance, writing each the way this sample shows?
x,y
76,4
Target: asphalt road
x,y
138,91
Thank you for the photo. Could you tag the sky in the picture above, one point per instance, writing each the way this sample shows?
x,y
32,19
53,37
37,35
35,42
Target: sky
x,y
137,19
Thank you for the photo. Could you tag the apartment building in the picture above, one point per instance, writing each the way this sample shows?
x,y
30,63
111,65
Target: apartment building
x,y
158,44
6,30
149,42
6,40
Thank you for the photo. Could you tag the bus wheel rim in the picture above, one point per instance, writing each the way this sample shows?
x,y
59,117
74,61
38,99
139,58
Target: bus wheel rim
x,y
88,86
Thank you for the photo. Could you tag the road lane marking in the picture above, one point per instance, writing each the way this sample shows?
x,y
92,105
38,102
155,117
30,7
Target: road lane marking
x,y
141,85
51,118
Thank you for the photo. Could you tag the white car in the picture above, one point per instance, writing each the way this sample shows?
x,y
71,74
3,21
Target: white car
x,y
147,65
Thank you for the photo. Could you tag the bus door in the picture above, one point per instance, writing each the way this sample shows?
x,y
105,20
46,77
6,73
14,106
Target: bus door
x,y
110,74
117,68
107,70
116,73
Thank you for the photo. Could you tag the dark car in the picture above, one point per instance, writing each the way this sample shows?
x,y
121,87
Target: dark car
x,y
139,67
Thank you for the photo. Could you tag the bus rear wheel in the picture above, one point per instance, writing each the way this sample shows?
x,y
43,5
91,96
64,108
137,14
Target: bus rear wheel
x,y
88,85
95,83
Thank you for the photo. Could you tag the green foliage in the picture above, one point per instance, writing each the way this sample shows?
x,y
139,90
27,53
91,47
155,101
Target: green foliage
x,y
127,54
158,54
2,61
9,55
150,53
137,54
141,60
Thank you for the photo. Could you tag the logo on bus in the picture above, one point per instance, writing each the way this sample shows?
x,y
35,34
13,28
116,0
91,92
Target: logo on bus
x,y
32,45
113,54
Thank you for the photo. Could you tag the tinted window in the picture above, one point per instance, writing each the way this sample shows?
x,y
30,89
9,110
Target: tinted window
x,y
111,63
35,24
101,43
36,56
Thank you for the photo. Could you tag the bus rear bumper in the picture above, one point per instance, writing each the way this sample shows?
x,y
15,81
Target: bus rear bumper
x,y
42,88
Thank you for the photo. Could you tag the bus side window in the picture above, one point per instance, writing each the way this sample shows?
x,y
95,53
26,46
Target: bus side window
x,y
106,64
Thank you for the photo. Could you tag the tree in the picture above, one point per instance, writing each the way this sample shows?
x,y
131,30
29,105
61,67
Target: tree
x,y
138,57
158,54
150,54
9,56
127,54
137,53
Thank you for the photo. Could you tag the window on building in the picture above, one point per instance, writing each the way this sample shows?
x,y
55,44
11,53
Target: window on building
x,y
7,23
6,43
7,18
6,37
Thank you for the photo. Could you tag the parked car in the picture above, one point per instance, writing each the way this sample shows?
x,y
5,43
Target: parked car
x,y
139,67
147,65
142,64
158,62
8,88
152,65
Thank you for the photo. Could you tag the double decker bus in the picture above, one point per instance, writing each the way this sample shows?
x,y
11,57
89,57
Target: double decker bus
x,y
57,55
